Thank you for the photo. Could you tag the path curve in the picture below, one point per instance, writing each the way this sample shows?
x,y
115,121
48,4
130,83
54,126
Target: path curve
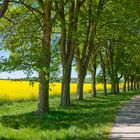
x,y
127,123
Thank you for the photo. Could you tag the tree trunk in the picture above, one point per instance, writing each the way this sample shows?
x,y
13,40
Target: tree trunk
x,y
117,87
88,43
135,85
103,66
43,100
44,61
113,86
65,91
105,82
44,76
94,80
132,84
67,46
128,84
80,84
124,85
138,85
4,7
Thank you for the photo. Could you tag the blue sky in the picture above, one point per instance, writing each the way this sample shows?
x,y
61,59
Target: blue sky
x,y
13,75
20,74
16,74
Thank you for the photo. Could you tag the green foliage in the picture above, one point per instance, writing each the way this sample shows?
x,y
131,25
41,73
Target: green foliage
x,y
22,37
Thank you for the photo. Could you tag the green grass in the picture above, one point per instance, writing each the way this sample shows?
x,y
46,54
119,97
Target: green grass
x,y
90,119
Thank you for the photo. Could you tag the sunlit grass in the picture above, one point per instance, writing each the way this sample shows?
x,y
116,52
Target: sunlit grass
x,y
90,119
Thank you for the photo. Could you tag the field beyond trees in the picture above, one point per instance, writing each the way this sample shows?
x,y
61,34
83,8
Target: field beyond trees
x,y
25,90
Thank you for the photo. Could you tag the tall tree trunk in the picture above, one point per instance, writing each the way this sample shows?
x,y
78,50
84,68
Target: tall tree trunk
x,y
138,85
111,69
113,86
94,80
4,8
80,84
128,84
82,66
124,85
132,84
104,79
103,66
135,84
65,92
117,87
43,100
67,45
45,58
89,42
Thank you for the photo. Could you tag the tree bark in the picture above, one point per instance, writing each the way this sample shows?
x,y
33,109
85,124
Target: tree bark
x,y
43,100
80,83
103,66
45,59
105,87
82,65
124,85
132,84
113,89
113,86
117,87
65,92
105,82
111,69
67,44
128,84
135,85
4,8
138,85
84,57
94,80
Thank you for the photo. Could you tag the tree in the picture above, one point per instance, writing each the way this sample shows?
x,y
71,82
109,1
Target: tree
x,y
41,14
103,66
116,32
84,53
68,16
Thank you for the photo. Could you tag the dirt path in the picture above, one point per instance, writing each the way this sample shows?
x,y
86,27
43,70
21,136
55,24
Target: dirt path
x,y
127,123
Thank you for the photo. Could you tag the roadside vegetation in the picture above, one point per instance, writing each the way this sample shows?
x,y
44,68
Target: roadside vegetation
x,y
90,119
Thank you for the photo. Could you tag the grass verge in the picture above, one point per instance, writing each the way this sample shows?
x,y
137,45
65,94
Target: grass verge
x,y
90,119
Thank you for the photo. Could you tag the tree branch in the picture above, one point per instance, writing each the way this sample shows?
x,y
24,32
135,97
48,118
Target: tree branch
x,y
33,10
27,6
4,8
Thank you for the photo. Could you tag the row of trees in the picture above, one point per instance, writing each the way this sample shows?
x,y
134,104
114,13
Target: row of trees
x,y
48,35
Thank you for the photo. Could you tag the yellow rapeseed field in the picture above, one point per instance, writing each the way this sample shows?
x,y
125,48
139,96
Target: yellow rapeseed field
x,y
23,90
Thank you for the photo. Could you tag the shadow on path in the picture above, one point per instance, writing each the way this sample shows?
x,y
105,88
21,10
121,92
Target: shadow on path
x,y
127,123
